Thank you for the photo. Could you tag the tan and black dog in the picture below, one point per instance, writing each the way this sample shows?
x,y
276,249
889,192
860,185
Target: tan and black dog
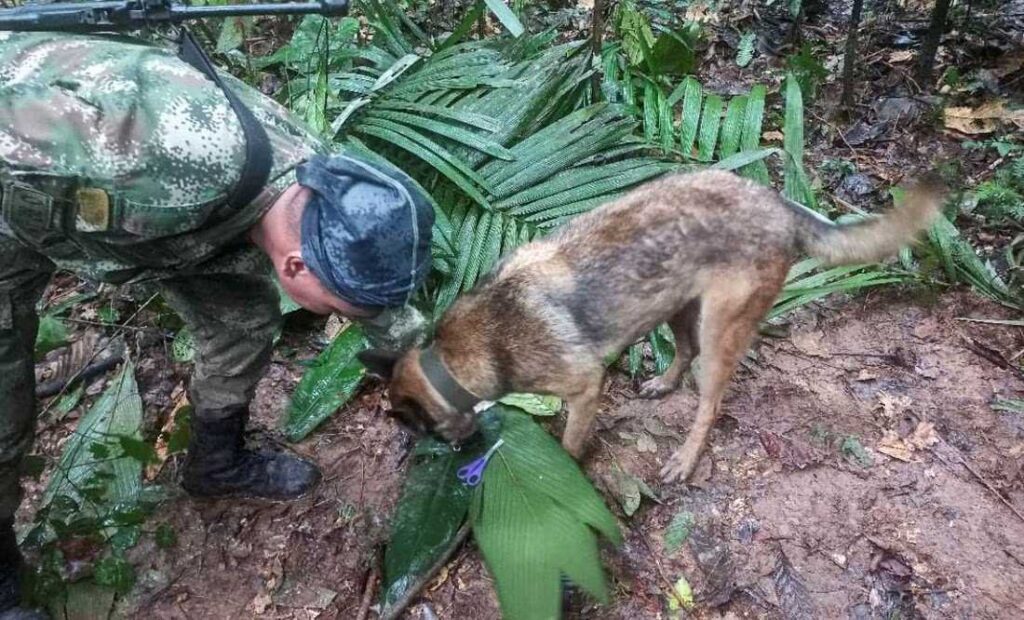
x,y
706,252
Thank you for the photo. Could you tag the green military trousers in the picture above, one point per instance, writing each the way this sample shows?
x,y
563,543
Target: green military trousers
x,y
232,314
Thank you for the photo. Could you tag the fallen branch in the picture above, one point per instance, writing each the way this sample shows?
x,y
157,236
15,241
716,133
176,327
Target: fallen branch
x,y
371,586
392,612
50,388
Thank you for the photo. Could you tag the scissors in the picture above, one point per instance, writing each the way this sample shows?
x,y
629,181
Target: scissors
x,y
473,473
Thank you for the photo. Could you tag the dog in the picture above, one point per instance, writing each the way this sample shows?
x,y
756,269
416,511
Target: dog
x,y
705,252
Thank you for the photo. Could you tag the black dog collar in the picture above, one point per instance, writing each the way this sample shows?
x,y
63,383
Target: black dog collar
x,y
444,382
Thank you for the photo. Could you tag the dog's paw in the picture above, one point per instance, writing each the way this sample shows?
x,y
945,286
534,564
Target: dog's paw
x,y
656,387
679,467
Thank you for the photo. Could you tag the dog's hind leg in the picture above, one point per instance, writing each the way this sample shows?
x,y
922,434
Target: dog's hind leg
x,y
730,315
583,407
685,326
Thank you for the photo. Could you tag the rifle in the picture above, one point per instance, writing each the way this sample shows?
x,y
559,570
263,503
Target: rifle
x,y
106,15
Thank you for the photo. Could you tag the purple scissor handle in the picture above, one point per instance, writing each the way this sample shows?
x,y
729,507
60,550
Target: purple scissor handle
x,y
472,473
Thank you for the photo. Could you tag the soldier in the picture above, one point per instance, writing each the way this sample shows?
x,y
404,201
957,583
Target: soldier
x,y
130,165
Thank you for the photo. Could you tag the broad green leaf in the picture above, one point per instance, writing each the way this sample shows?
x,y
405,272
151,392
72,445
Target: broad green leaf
x,y
115,572
116,413
430,512
678,531
327,384
732,127
650,111
711,118
232,33
751,138
682,595
447,130
666,130
672,53
505,15
1009,405
662,347
137,449
630,490
690,120
745,158
183,347
68,401
636,359
796,187
532,518
534,404
52,334
745,50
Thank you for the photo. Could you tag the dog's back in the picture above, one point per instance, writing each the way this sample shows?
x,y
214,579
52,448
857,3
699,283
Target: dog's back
x,y
639,259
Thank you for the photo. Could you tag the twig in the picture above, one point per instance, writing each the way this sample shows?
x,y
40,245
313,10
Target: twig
x,y
991,355
671,587
96,353
50,388
392,612
371,586
981,478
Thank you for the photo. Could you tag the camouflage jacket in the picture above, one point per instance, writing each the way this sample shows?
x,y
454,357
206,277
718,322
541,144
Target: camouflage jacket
x,y
156,138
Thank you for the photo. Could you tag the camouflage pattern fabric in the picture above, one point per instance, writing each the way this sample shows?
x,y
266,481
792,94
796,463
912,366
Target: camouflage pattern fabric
x,y
135,121
164,145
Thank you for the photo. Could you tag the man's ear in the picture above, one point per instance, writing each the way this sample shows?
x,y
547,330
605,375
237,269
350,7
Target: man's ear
x,y
293,265
379,362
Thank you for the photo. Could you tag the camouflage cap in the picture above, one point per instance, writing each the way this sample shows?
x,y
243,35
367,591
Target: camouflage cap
x,y
366,230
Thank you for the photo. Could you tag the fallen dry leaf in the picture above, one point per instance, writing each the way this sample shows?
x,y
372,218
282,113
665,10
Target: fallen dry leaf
x,y
261,603
901,56
924,436
891,445
699,12
180,397
773,136
644,443
585,4
893,405
982,119
867,374
1009,63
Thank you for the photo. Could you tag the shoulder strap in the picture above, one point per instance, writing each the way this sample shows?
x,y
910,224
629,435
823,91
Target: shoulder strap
x,y
256,170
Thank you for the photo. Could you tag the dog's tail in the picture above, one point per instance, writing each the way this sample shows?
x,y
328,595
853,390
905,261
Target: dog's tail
x,y
875,238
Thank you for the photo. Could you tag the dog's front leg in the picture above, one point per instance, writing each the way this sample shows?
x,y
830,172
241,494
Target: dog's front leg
x,y
583,408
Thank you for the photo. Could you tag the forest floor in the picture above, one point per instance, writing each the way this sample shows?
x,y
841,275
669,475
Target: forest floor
x,y
860,469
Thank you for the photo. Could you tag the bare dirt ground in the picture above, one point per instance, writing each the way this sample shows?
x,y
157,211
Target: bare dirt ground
x,y
859,470
799,512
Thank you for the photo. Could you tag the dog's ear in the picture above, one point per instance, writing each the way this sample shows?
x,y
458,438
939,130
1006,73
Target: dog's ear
x,y
379,363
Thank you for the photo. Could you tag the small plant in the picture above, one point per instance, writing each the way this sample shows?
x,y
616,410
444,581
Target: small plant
x,y
94,508
1002,197
808,70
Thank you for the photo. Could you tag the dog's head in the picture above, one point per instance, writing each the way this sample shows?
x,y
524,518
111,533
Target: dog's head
x,y
415,402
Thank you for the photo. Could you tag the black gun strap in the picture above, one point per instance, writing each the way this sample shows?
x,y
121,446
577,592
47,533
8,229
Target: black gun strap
x,y
256,170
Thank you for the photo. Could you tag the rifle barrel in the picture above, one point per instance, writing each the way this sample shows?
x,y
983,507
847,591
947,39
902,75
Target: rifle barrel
x,y
99,15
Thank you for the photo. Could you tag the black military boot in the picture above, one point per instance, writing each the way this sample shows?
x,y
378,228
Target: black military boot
x,y
219,465
10,581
